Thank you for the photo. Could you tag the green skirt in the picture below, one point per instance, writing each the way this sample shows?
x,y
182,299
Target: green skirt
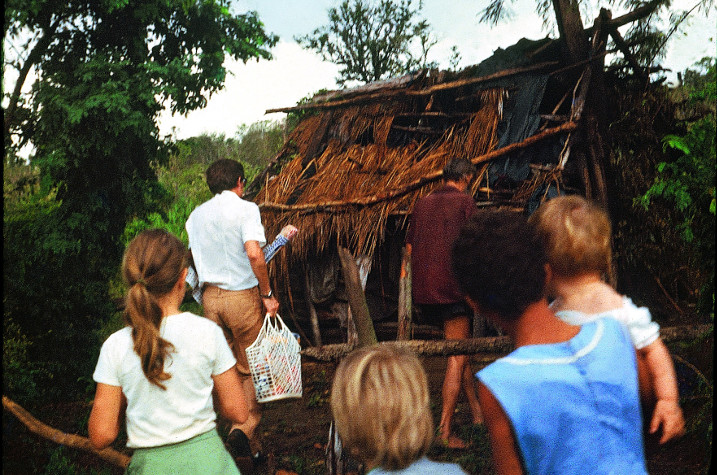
x,y
204,454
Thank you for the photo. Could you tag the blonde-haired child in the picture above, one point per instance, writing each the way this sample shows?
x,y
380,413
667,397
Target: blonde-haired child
x,y
380,403
576,234
161,372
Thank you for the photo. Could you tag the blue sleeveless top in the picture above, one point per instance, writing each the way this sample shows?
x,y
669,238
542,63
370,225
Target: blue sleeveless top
x,y
574,406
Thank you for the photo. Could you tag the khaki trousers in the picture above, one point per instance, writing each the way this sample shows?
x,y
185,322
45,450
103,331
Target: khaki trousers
x,y
239,314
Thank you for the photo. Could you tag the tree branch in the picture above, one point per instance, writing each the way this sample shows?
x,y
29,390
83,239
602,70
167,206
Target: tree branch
x,y
31,60
62,438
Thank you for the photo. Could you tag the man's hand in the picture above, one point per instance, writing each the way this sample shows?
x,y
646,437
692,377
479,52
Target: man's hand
x,y
289,231
667,414
271,305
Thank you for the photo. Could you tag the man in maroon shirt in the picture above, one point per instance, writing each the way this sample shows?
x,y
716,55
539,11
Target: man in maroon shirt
x,y
435,223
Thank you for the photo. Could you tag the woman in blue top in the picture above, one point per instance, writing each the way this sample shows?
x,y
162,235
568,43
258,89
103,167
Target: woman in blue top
x,y
567,399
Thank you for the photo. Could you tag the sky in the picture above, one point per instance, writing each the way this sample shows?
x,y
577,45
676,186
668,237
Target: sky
x,y
294,73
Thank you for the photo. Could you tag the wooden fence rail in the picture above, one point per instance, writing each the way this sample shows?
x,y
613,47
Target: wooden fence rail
x,y
470,346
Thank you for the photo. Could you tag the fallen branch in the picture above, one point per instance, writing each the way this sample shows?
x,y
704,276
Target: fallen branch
x,y
62,438
471,346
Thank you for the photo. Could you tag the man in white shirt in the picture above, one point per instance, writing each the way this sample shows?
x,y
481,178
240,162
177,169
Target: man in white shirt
x,y
225,238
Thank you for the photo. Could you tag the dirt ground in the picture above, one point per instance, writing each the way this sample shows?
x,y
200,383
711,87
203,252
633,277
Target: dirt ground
x,y
295,432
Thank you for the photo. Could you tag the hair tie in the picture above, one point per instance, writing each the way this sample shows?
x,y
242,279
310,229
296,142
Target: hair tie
x,y
141,281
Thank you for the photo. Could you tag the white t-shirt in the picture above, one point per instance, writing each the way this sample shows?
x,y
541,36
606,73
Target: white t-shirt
x,y
185,409
217,231
643,330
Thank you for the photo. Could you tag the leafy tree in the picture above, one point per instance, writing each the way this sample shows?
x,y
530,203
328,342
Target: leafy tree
x,y
687,181
373,41
106,68
260,142
645,36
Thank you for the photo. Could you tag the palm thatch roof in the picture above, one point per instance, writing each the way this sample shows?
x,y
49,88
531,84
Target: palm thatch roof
x,y
349,188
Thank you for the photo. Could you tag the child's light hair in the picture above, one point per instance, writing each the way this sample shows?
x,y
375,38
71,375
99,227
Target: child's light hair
x,y
576,234
380,403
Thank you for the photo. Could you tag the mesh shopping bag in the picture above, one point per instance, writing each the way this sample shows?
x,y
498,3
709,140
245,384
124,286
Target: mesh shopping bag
x,y
275,362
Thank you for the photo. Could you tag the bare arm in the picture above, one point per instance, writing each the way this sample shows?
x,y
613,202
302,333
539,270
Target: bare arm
x,y
258,265
667,413
505,449
105,418
229,396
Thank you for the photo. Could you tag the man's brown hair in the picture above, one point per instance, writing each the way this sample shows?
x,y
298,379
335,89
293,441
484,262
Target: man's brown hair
x,y
224,174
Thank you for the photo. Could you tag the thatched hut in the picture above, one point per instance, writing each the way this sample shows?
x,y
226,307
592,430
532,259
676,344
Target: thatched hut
x,y
351,171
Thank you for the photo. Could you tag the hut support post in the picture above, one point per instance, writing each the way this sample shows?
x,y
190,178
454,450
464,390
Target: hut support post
x,y
312,310
357,298
405,303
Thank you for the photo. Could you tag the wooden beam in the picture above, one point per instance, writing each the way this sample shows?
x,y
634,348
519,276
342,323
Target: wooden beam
x,y
496,344
433,176
420,92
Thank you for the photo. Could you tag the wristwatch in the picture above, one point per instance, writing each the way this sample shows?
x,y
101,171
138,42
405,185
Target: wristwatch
x,y
267,296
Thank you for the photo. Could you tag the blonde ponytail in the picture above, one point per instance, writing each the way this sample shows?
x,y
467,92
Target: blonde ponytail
x,y
152,264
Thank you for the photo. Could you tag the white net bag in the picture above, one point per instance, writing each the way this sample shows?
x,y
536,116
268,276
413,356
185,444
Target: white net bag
x,y
275,362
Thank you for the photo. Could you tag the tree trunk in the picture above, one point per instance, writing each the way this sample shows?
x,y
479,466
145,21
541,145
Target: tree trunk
x,y
357,299
32,59
570,27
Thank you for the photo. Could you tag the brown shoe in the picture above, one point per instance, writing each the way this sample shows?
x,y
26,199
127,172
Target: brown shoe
x,y
238,444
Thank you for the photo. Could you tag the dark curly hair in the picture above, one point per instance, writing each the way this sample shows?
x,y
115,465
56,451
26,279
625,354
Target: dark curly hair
x,y
499,262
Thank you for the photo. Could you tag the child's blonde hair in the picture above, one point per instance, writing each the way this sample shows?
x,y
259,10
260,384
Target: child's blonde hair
x,y
380,403
151,266
576,234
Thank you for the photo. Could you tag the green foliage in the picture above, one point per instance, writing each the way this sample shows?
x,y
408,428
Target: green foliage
x,y
260,142
373,40
182,178
687,180
20,375
61,464
107,69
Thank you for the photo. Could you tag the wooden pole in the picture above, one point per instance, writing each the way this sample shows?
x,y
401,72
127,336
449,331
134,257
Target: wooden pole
x,y
312,310
357,299
405,308
495,344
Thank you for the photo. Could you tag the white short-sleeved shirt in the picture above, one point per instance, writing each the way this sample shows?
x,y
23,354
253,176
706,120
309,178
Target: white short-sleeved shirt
x,y
217,232
643,330
185,409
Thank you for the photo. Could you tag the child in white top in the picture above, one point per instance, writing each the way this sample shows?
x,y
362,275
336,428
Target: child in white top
x,y
162,372
576,234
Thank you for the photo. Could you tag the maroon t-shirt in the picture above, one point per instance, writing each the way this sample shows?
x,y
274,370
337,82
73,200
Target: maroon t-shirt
x,y
435,223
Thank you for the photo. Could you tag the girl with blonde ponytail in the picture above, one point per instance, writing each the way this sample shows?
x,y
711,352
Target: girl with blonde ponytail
x,y
164,370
